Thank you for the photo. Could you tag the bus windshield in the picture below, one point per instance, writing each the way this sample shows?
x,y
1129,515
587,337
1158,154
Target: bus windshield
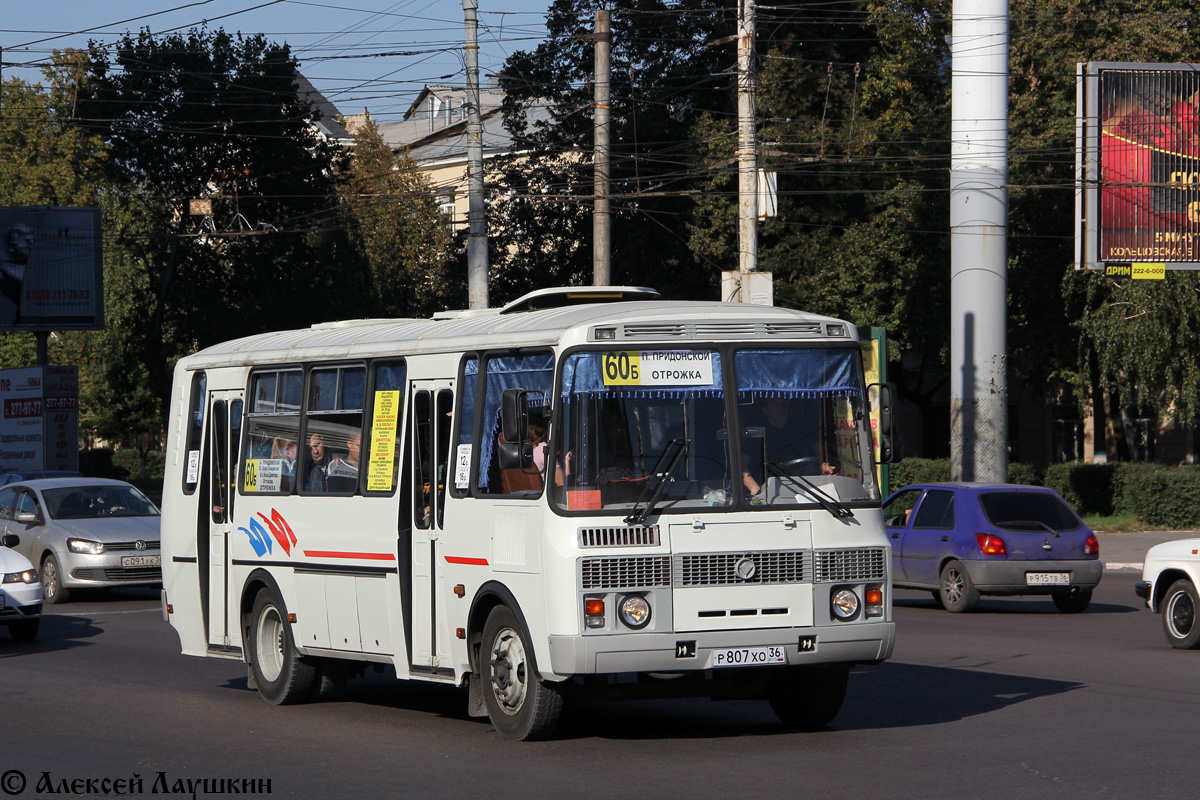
x,y
638,426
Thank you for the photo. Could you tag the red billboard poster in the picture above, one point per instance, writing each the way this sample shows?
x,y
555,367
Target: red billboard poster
x,y
1149,138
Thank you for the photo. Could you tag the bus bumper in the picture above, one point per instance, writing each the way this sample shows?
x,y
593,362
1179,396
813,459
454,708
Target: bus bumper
x,y
680,652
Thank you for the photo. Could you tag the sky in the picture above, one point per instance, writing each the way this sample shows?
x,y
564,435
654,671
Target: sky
x,y
361,54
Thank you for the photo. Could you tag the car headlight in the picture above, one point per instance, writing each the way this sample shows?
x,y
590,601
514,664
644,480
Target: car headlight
x,y
844,603
85,546
25,576
635,611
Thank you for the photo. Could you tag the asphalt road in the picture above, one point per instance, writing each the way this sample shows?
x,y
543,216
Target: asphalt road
x,y
1014,701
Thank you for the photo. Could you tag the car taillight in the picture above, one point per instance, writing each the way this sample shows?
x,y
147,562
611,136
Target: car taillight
x,y
991,545
1092,546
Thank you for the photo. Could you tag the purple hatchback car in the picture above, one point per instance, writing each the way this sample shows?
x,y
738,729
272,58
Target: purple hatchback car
x,y
963,540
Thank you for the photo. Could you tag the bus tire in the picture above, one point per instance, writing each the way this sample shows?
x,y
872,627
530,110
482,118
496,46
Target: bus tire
x,y
281,675
808,697
519,703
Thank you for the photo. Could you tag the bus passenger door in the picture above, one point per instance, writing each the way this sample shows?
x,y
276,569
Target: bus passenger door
x,y
430,417
225,429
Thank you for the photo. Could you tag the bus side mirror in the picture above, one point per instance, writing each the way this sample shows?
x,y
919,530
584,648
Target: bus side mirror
x,y
513,451
883,395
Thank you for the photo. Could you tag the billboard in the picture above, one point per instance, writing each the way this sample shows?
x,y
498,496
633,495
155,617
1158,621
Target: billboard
x,y
51,277
39,418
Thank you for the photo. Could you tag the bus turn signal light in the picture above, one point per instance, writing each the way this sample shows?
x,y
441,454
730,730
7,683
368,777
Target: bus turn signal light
x,y
593,611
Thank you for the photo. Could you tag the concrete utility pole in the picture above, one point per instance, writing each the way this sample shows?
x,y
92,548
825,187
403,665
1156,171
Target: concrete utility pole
x,y
747,146
978,246
477,241
601,219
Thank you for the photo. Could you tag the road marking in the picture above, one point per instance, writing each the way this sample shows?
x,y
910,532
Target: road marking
x,y
1130,565
99,612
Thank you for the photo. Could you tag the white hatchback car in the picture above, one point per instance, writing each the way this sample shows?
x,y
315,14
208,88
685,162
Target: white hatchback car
x,y
20,592
1170,575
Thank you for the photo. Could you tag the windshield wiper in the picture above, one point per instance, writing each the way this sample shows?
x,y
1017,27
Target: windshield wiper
x,y
638,516
835,507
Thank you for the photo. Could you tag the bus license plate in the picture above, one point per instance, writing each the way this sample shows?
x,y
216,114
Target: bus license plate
x,y
141,561
748,656
1047,579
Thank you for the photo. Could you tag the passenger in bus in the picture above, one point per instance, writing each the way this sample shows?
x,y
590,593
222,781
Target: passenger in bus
x,y
315,479
784,443
342,473
537,438
285,450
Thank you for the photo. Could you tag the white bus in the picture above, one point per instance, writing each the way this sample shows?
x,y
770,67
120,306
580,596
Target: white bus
x,y
702,518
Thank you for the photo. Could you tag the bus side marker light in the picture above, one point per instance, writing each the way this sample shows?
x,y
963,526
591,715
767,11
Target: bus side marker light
x,y
170,608
461,633
460,590
292,618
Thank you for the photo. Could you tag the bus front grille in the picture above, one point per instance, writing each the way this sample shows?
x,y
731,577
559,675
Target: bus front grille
x,y
625,573
866,564
732,569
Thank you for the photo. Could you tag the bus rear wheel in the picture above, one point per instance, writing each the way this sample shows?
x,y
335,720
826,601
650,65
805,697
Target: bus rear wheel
x,y
808,697
281,674
520,704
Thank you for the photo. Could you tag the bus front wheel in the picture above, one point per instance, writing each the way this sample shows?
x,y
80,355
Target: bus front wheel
x,y
281,674
808,697
520,704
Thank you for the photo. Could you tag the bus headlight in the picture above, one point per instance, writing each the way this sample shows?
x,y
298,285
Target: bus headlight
x,y
635,611
844,603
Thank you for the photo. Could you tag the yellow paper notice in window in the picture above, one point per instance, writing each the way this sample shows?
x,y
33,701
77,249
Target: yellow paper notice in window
x,y
381,468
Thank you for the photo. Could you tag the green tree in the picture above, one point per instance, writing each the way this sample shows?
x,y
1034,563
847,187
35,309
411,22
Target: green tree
x,y
663,76
397,229
207,114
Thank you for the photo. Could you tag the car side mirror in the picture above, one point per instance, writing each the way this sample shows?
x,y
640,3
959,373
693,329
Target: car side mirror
x,y
10,540
28,518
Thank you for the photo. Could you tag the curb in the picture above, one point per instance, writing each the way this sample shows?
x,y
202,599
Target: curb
x,y
1124,565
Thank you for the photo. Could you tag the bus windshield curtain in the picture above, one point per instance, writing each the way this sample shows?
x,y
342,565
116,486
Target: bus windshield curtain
x,y
532,372
583,375
797,373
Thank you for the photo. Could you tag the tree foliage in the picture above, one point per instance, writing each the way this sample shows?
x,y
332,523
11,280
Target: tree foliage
x,y
209,115
396,229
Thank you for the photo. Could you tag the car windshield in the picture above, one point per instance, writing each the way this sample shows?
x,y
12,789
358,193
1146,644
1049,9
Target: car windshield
x,y
1028,511
89,502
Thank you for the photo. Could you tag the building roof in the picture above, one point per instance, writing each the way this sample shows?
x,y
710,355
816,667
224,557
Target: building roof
x,y
435,126
327,121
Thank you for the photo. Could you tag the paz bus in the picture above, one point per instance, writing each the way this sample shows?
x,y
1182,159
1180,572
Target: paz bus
x,y
587,490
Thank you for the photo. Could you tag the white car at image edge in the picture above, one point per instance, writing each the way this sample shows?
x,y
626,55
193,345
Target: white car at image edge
x,y
1170,575
20,592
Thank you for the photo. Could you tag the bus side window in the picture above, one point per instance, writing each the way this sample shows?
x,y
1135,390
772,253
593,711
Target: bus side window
x,y
333,430
382,437
273,432
195,427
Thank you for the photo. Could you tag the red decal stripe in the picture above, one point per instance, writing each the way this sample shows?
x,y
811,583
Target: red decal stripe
x,y
479,562
361,556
